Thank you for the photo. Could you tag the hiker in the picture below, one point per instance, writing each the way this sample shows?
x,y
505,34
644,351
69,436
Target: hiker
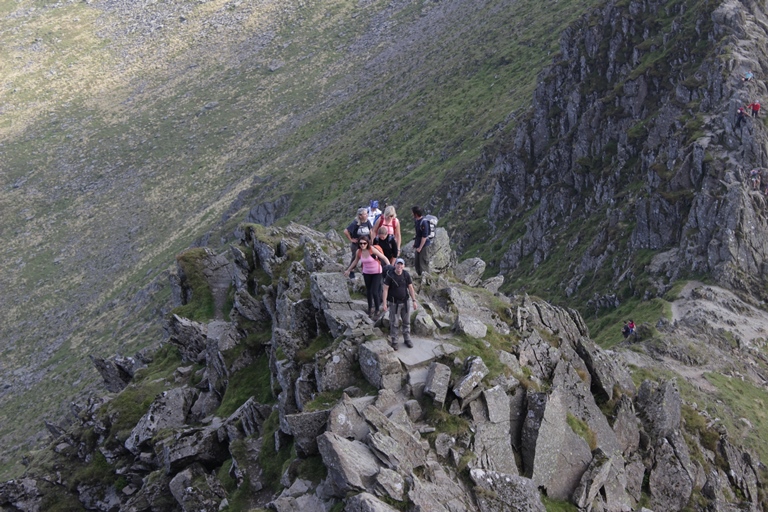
x,y
741,116
631,326
755,107
371,260
387,244
359,228
373,212
421,242
748,76
390,221
754,179
398,288
625,330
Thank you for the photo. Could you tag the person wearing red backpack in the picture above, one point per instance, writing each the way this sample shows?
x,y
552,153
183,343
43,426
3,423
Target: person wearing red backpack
x,y
390,221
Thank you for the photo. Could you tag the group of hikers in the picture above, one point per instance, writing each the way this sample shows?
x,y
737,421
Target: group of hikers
x,y
628,329
375,239
754,108
756,181
741,114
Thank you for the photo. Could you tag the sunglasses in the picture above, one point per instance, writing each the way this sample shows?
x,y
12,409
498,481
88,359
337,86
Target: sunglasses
x,y
363,244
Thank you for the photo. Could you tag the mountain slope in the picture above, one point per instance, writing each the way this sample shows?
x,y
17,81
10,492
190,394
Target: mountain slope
x,y
129,129
630,172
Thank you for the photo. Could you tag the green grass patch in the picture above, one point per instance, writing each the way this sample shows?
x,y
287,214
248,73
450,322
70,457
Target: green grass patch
x,y
199,303
605,329
742,399
127,408
324,400
696,424
252,381
581,428
307,354
444,422
487,349
57,499
312,468
552,505
271,459
674,292
98,472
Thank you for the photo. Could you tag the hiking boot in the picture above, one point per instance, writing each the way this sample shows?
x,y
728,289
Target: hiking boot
x,y
393,344
408,343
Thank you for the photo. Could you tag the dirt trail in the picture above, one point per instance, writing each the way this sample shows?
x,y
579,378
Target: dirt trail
x,y
704,309
721,309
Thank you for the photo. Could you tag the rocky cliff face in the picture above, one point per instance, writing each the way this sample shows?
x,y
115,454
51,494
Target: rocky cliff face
x,y
631,158
297,402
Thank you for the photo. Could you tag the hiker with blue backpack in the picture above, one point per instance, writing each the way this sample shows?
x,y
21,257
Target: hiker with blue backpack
x,y
373,212
425,232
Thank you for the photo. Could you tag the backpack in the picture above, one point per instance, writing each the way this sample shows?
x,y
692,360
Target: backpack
x,y
363,231
432,225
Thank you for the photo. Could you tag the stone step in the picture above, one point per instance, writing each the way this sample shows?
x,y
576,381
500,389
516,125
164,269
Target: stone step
x,y
424,351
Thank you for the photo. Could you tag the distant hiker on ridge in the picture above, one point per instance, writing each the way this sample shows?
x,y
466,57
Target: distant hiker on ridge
x,y
755,107
741,116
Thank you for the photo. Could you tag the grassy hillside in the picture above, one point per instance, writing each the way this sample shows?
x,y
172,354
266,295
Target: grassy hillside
x,y
128,129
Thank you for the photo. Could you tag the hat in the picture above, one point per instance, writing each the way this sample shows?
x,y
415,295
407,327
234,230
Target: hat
x,y
399,260
374,203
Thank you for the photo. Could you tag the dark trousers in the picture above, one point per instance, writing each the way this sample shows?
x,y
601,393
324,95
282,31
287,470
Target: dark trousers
x,y
422,260
373,290
399,321
353,247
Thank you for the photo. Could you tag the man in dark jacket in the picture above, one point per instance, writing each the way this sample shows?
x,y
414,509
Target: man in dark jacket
x,y
399,295
741,116
421,242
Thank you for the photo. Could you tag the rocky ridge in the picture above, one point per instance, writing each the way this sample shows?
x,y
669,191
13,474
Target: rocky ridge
x,y
296,402
631,158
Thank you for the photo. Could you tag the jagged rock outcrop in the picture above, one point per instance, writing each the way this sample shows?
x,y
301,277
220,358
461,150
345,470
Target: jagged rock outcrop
x,y
519,416
502,492
632,100
117,372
